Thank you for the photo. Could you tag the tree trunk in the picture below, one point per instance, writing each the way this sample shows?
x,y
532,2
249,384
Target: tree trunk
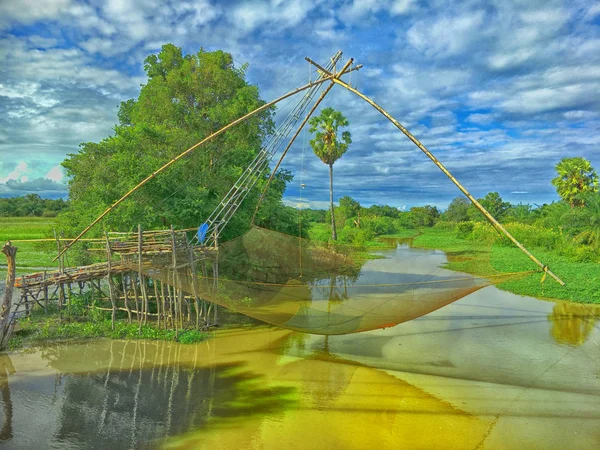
x,y
6,325
333,231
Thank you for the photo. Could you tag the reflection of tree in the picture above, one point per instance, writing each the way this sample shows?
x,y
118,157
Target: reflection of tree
x,y
144,393
572,323
6,368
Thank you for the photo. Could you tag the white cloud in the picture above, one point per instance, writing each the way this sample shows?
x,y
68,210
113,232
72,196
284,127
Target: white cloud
x,y
29,11
19,173
55,174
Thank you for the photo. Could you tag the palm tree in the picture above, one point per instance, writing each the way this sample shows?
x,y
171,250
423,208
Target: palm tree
x,y
576,177
328,147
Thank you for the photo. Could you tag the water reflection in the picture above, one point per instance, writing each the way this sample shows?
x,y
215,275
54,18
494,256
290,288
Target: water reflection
x,y
6,369
573,323
130,395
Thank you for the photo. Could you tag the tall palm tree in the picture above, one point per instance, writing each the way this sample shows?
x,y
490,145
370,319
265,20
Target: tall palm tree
x,y
328,147
576,177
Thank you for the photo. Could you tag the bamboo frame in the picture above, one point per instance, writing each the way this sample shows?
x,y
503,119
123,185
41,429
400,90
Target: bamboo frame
x,y
415,141
310,113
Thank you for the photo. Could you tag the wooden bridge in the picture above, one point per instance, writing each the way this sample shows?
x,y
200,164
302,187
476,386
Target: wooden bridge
x,y
124,281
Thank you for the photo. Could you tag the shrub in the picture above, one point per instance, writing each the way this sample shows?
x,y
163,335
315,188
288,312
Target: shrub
x,y
463,230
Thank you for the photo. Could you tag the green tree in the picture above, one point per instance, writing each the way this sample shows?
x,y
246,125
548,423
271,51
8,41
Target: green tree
x,y
587,222
494,204
349,209
424,216
576,177
328,147
185,99
458,210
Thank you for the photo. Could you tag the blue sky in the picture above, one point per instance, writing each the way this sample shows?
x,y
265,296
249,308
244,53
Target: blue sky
x,y
499,91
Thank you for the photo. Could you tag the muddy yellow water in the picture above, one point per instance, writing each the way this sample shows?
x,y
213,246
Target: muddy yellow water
x,y
490,371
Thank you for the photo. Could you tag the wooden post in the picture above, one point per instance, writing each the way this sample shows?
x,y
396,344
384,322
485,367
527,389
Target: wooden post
x,y
216,277
176,298
193,274
61,289
157,302
45,292
142,278
6,324
110,285
134,281
125,296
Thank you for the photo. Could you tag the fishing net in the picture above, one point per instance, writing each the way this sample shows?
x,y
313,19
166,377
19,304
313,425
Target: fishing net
x,y
312,286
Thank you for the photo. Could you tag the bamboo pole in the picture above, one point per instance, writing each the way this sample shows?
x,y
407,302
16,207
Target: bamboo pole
x,y
61,289
415,141
154,281
310,113
45,287
110,284
188,151
144,318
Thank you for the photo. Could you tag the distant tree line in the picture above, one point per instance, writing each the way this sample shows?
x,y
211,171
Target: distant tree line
x,y
573,223
31,205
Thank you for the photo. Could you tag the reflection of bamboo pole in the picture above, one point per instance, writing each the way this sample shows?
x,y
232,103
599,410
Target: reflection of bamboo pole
x,y
415,141
188,151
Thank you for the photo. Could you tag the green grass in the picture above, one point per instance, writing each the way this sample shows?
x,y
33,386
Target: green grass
x,y
39,328
478,258
29,254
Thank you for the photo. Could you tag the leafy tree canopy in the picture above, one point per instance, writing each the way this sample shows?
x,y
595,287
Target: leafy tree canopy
x,y
576,178
458,210
185,99
494,204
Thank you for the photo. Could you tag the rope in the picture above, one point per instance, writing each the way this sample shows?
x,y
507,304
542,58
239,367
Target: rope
x,y
545,269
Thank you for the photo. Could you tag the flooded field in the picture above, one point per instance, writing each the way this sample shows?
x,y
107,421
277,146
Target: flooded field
x,y
492,370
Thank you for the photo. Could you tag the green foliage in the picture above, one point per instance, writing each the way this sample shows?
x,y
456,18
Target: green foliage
x,y
457,210
185,99
381,210
356,236
476,256
40,328
31,205
464,229
520,213
494,204
326,144
424,216
328,147
576,178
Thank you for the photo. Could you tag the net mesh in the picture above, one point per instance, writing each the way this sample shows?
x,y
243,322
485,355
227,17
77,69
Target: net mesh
x,y
311,286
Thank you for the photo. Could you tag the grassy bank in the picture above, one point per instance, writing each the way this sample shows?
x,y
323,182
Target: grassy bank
x,y
39,328
485,254
481,258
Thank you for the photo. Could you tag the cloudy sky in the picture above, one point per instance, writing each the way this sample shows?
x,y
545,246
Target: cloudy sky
x,y
499,90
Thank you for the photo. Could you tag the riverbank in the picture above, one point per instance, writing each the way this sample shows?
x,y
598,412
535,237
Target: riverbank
x,y
484,258
40,328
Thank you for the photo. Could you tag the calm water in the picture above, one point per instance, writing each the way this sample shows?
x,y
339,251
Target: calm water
x,y
492,370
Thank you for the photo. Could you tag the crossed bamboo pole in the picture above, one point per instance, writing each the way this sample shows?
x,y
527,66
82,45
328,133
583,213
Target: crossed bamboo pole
x,y
335,79
310,113
408,134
